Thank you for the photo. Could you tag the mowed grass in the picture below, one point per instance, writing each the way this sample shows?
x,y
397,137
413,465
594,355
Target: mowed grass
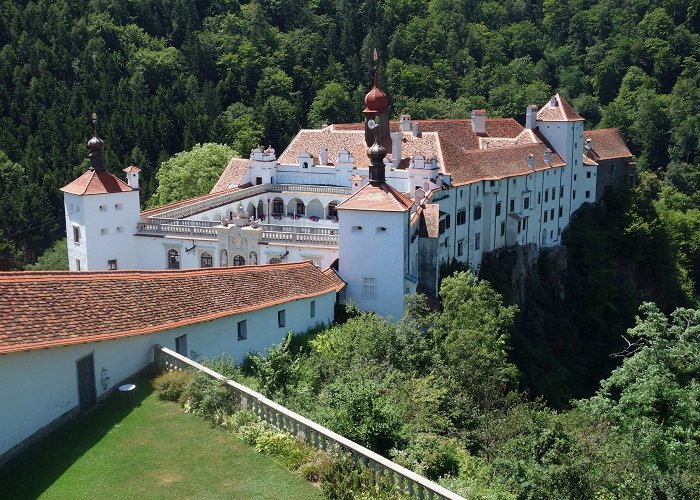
x,y
141,447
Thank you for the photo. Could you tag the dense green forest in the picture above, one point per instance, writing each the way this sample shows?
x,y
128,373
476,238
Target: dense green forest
x,y
438,394
165,75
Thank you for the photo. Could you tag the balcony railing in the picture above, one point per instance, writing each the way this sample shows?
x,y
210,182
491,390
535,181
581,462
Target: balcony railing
x,y
179,227
304,235
242,194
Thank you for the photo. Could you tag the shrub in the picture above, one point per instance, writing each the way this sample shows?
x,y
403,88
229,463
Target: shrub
x,y
172,385
210,398
240,419
431,456
281,445
316,465
249,433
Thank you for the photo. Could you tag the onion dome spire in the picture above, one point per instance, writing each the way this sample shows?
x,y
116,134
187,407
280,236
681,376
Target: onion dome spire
x,y
96,147
377,171
376,100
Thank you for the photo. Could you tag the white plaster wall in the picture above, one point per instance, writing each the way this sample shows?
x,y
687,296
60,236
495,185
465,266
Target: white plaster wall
x,y
40,386
106,234
380,255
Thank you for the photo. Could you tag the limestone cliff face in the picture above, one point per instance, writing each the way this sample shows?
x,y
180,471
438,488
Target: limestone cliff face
x,y
518,271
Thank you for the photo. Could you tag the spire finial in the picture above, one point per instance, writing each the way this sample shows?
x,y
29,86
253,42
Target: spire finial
x,y
94,124
375,56
96,147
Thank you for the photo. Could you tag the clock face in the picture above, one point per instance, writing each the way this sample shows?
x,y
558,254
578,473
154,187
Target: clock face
x,y
371,124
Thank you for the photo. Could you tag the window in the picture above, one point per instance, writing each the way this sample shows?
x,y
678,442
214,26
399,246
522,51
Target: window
x,y
546,214
460,248
76,234
551,214
477,212
512,205
526,203
223,258
573,194
112,264
239,260
369,288
575,176
554,193
477,241
206,260
441,228
525,224
104,230
477,190
77,264
173,259
461,217
277,206
258,181
561,211
539,198
520,226
546,196
503,228
118,206
588,194
561,191
181,345
588,175
120,229
492,183
447,221
498,209
281,318
242,330
103,208
612,169
313,308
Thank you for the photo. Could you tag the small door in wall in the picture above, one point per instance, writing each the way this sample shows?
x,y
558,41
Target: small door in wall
x,y
87,396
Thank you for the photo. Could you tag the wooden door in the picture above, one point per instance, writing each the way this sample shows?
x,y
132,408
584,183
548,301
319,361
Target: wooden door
x,y
87,395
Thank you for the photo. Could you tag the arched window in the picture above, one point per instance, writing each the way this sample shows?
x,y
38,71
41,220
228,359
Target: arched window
x,y
173,259
239,260
206,260
223,258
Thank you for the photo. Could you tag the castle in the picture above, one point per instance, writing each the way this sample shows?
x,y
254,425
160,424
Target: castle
x,y
434,192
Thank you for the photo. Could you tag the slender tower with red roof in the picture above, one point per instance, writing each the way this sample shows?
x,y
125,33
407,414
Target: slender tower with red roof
x,y
102,213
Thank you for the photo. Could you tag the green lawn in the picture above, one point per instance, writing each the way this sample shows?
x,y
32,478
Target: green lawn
x,y
146,448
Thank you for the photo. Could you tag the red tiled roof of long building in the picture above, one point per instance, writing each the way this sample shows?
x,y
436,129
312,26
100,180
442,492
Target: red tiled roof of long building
x,y
48,309
334,277
499,163
96,182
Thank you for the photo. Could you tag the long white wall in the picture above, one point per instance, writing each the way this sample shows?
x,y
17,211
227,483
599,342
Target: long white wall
x,y
41,385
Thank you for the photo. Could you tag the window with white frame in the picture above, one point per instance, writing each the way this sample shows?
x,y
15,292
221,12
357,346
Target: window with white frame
x,y
477,241
313,308
281,318
369,287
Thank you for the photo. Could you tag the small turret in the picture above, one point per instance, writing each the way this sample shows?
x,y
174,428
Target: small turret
x,y
132,176
96,147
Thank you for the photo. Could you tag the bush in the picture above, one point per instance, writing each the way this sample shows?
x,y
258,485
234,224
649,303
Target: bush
x,y
281,445
209,398
249,433
316,465
431,456
172,385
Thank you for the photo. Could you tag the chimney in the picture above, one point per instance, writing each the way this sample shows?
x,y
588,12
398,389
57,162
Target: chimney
x,y
416,130
323,155
405,123
531,117
356,181
418,161
479,121
548,157
589,144
396,138
132,176
553,101
531,161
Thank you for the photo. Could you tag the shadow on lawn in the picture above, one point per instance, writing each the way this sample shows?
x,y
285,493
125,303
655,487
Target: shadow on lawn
x,y
35,469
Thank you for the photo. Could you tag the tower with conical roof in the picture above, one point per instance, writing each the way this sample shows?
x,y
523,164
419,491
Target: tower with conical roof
x,y
376,111
102,213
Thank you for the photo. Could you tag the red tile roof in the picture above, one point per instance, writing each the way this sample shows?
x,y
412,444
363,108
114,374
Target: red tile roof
x,y
608,143
490,164
96,182
560,112
332,275
48,309
430,221
377,197
232,175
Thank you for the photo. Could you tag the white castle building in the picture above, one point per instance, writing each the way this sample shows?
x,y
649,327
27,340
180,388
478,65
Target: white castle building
x,y
437,191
